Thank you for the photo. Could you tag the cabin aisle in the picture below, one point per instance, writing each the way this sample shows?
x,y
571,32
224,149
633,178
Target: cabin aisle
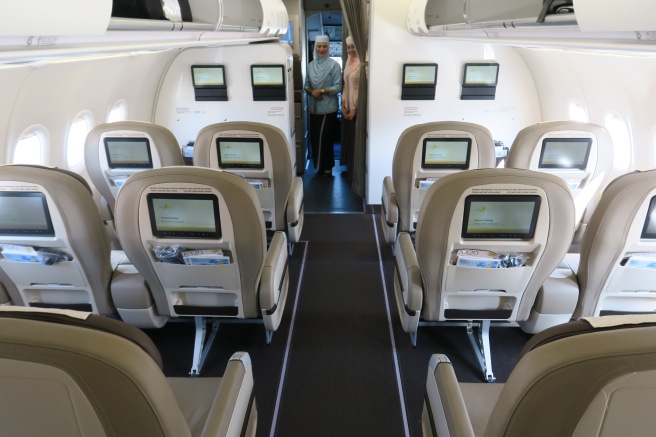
x,y
340,378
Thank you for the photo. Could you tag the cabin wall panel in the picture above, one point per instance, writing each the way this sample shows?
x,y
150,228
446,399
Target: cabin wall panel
x,y
391,45
178,110
604,84
12,79
51,94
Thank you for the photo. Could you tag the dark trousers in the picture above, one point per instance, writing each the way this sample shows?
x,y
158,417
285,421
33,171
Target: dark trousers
x,y
348,146
322,135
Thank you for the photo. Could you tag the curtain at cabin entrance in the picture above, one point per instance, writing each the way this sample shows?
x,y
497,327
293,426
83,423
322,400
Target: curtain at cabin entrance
x,y
355,13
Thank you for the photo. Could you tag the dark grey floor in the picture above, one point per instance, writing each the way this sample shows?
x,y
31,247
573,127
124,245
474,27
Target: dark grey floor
x,y
329,194
340,376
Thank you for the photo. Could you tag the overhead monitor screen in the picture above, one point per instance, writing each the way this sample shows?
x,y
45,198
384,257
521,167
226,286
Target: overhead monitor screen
x,y
242,153
208,76
481,74
175,215
446,153
649,228
566,153
128,152
419,75
268,75
501,217
24,213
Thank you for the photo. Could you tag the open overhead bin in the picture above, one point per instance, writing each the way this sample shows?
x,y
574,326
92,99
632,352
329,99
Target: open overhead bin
x,y
267,17
575,23
96,17
426,16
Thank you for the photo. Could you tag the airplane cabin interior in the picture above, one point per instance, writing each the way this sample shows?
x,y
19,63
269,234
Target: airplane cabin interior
x,y
480,260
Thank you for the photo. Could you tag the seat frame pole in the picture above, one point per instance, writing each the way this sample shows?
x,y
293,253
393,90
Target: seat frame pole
x,y
481,345
201,347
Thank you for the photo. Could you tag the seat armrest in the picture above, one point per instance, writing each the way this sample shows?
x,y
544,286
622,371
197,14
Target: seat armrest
x,y
133,299
409,274
390,210
274,281
445,412
294,211
390,206
4,296
233,411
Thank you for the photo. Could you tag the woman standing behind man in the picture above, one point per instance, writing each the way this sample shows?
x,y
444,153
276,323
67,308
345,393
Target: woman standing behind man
x,y
323,82
350,106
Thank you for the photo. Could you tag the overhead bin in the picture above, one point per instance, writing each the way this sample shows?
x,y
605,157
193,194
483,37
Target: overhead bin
x,y
431,16
613,16
96,17
564,24
427,15
268,17
61,18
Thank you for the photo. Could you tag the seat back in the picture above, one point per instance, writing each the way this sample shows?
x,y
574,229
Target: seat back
x,y
521,213
73,374
201,210
579,153
617,269
597,379
47,210
257,152
426,152
114,151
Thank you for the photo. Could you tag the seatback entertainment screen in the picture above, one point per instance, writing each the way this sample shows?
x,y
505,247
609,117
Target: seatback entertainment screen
x,y
501,217
178,215
565,153
649,227
24,213
241,153
446,153
128,152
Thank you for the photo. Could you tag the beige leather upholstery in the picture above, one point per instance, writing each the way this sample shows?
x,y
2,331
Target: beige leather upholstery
x,y
611,276
429,285
253,285
530,150
586,183
83,280
280,192
164,151
78,374
577,379
404,192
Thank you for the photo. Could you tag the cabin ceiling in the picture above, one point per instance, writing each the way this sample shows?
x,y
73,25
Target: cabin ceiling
x,y
321,5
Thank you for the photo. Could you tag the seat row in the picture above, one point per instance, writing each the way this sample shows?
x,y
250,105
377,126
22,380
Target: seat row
x,y
194,245
257,152
580,153
491,245
71,373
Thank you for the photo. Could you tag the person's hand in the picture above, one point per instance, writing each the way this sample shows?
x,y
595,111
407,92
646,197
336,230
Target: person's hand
x,y
317,94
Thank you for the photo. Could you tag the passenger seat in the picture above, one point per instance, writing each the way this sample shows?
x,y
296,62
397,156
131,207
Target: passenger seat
x,y
196,236
114,151
77,374
260,154
424,153
592,377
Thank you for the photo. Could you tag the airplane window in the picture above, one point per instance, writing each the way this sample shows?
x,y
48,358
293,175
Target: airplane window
x,y
118,112
578,113
29,148
621,136
76,137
